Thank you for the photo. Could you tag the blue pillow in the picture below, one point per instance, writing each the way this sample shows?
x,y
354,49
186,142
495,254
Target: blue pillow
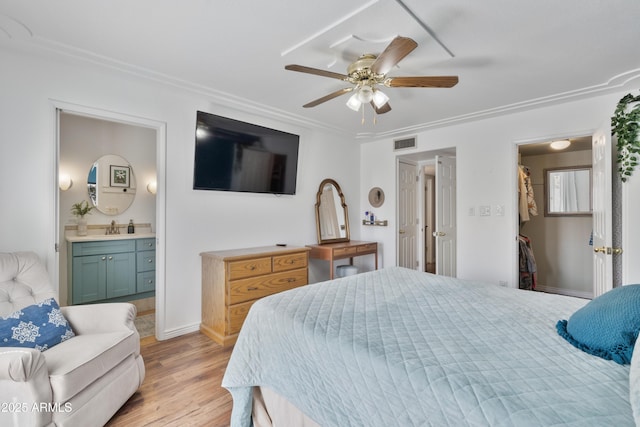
x,y
607,326
39,326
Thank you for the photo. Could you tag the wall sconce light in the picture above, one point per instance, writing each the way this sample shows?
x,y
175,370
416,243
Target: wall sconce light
x,y
152,187
64,182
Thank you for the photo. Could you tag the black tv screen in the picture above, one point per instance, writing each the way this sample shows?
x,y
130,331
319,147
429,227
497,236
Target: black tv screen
x,y
232,155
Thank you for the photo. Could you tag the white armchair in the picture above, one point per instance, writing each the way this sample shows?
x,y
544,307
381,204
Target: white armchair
x,y
82,381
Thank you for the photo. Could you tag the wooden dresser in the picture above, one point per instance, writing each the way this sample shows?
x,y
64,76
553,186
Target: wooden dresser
x,y
233,280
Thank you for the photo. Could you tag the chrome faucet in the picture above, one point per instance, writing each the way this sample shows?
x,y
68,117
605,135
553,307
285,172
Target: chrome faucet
x,y
113,229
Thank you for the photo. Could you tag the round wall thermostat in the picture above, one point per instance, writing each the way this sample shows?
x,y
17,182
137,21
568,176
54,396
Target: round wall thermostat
x,y
376,197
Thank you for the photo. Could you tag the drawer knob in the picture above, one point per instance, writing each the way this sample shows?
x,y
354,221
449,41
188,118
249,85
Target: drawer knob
x,y
149,244
291,279
252,267
149,260
252,288
150,281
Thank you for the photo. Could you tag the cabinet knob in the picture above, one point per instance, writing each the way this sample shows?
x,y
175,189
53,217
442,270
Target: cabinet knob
x,y
150,260
103,258
150,281
110,258
149,244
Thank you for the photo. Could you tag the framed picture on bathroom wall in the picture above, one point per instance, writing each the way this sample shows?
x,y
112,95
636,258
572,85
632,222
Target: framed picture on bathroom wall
x,y
120,176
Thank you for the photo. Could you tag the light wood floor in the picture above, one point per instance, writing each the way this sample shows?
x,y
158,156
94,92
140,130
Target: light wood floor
x,y
181,386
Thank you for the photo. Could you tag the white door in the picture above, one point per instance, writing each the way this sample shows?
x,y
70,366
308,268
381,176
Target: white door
x,y
445,227
407,214
602,170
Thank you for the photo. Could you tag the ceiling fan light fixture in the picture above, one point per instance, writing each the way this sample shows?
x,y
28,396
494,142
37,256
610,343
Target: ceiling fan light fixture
x,y
353,102
560,144
379,98
365,94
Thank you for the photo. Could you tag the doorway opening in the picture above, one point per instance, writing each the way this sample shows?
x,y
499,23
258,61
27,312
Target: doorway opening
x,y
555,253
426,211
84,135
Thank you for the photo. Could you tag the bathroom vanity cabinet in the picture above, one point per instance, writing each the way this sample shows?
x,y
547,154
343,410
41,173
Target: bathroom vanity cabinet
x,y
113,269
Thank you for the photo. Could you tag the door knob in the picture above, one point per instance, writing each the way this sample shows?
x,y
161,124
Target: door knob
x,y
401,231
439,233
617,251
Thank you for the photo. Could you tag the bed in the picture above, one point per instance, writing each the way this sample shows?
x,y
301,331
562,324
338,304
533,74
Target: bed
x,y
397,347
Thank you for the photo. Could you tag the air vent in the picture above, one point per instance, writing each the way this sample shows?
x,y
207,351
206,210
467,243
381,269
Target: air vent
x,y
401,144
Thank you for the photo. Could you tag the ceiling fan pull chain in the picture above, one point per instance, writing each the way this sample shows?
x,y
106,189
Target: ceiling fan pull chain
x,y
362,114
375,118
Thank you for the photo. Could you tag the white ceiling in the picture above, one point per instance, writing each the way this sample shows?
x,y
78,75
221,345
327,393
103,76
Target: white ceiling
x,y
507,54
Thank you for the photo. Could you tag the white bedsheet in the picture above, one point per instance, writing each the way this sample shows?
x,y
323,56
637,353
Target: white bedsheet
x,y
396,347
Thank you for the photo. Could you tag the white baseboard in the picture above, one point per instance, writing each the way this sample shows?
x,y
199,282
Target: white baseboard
x,y
176,332
563,291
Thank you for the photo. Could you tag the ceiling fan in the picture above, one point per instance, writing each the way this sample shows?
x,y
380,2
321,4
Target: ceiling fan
x,y
370,71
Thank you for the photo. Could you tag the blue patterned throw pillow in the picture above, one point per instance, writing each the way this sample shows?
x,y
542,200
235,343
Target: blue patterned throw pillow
x,y
607,326
39,326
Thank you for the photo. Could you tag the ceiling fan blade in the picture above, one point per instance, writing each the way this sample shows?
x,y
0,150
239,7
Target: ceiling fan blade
x,y
316,71
328,97
397,49
425,81
384,109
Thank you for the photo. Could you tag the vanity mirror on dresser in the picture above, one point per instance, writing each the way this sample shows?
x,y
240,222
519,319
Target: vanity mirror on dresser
x,y
332,227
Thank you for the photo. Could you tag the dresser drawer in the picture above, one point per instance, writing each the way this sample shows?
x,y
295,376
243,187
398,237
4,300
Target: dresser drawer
x,y
236,315
345,251
249,268
258,287
290,261
371,247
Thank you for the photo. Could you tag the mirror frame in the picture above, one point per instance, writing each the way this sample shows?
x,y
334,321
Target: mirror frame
x,y
344,207
547,171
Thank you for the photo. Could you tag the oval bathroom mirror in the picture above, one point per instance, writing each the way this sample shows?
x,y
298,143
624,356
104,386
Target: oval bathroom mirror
x,y
111,184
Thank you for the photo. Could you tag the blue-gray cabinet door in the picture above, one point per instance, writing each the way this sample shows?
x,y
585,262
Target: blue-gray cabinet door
x,y
89,278
121,274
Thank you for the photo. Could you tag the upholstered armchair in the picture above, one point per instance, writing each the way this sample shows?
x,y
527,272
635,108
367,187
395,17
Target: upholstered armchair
x,y
82,380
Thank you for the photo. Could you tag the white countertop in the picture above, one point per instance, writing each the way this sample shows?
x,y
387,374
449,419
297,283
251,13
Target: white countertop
x,y
101,237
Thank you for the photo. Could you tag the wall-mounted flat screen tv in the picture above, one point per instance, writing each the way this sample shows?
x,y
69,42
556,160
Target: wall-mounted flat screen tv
x,y
232,155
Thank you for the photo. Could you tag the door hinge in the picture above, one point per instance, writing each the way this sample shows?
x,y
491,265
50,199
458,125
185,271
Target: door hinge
x,y
56,247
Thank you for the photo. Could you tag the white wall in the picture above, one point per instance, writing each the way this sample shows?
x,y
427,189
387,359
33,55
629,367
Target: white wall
x,y
486,175
196,221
